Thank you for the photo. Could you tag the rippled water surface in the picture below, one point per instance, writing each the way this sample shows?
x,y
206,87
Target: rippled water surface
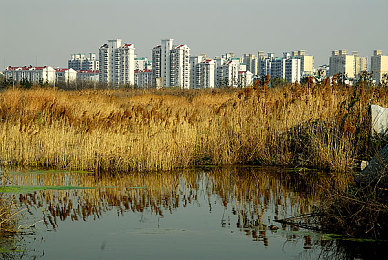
x,y
189,214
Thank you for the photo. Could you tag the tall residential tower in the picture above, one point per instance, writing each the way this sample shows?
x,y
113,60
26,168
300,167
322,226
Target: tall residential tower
x,y
117,63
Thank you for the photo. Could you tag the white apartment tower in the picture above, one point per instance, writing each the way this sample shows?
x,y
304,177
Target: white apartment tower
x,y
171,65
156,66
117,63
379,67
161,63
205,73
292,69
194,61
277,68
228,74
180,66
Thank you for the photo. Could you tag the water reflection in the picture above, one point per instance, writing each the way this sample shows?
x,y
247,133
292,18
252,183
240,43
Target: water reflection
x,y
251,198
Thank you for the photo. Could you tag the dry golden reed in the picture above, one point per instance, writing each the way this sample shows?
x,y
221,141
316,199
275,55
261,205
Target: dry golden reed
x,y
320,126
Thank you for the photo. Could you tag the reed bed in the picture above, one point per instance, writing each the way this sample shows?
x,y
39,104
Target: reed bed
x,y
322,126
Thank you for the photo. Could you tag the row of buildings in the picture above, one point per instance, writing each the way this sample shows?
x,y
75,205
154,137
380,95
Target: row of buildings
x,y
48,74
173,66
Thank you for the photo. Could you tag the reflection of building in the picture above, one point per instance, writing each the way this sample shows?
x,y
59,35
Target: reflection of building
x,y
83,61
44,74
379,67
117,63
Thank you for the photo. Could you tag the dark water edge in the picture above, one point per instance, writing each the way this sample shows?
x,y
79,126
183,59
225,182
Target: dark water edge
x,y
209,213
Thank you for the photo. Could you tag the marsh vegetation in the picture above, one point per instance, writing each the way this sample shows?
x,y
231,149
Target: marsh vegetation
x,y
318,126
321,126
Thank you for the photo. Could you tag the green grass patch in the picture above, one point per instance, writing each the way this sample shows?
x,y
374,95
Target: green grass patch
x,y
29,189
9,250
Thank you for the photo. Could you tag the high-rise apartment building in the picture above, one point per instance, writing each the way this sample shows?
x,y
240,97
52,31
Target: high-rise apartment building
x,y
143,78
292,69
83,61
156,66
180,66
278,68
264,63
306,63
350,65
227,73
287,67
143,64
360,63
161,62
171,65
205,74
117,63
341,62
251,62
379,67
194,61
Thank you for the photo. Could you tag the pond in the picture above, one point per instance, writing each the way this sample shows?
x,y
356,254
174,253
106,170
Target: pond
x,y
211,213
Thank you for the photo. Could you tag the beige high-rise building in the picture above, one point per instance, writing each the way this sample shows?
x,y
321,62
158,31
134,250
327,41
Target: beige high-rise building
x,y
350,65
340,62
379,67
306,62
360,63
250,61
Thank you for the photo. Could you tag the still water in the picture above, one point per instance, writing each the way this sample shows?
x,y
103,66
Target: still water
x,y
226,213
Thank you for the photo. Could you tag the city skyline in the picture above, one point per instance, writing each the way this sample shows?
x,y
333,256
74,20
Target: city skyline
x,y
40,34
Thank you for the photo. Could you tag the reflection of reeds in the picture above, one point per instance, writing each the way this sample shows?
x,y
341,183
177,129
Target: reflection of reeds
x,y
249,194
7,216
316,126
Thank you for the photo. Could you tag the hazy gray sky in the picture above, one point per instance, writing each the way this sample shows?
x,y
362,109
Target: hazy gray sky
x,y
48,31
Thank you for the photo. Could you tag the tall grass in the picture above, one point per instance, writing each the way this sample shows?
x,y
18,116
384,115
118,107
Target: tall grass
x,y
321,126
